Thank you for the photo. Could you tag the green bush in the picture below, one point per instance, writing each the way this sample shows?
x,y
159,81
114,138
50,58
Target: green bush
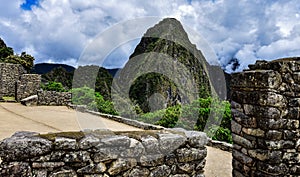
x,y
170,117
93,100
53,86
211,112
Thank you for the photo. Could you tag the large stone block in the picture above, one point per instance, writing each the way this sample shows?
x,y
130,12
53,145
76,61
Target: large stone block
x,y
256,79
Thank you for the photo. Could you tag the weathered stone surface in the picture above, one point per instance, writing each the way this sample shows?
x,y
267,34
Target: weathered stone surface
x,y
30,101
242,158
262,112
196,139
243,119
63,173
16,169
135,149
27,85
175,140
257,79
78,156
47,164
116,141
121,165
88,142
282,144
53,98
17,147
186,168
160,171
268,94
242,141
104,155
139,172
93,168
152,160
266,155
277,169
192,154
236,127
274,135
65,143
151,144
254,132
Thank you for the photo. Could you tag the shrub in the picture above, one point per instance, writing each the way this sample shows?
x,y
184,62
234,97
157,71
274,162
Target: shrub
x,y
53,86
93,100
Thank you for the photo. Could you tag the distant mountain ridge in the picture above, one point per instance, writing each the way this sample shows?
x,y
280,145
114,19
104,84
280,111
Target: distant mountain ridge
x,y
43,68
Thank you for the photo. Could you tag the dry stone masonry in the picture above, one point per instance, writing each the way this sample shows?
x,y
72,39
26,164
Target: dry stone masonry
x,y
102,153
9,74
25,88
52,98
266,107
27,85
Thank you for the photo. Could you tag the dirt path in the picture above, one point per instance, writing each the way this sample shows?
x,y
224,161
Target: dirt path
x,y
43,119
16,117
218,163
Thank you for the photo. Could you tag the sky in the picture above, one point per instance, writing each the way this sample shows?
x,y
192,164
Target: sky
x,y
58,31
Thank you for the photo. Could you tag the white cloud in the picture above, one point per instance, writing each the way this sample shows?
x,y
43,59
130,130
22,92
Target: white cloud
x,y
247,30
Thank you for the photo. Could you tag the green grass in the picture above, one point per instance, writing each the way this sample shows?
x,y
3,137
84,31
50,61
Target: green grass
x,y
8,98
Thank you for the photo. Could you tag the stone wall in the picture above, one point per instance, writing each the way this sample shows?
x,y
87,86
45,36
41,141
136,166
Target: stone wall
x,y
9,74
53,98
104,153
27,85
265,126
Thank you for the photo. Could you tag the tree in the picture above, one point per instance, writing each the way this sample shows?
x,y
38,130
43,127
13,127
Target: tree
x,y
54,86
24,59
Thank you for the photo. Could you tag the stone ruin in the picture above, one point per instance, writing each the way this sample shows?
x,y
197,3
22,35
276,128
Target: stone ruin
x,y
25,88
103,153
265,126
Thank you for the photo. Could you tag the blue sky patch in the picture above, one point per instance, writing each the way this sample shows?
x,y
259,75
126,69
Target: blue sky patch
x,y
27,5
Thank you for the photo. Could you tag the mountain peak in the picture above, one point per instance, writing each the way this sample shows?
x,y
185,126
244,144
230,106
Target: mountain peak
x,y
170,29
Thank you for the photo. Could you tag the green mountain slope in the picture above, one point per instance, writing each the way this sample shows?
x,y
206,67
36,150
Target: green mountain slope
x,y
165,66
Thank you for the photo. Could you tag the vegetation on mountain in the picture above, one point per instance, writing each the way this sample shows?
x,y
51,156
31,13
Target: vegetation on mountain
x,y
60,75
7,56
169,39
43,68
93,100
95,77
211,112
53,86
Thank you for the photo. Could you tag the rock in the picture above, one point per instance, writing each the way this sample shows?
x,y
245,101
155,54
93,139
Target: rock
x,y
63,173
160,171
62,143
189,155
166,139
93,168
121,165
19,147
30,101
151,145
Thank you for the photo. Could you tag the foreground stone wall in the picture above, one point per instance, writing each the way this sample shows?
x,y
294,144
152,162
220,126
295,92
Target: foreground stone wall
x,y
53,98
27,85
104,153
265,126
9,74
